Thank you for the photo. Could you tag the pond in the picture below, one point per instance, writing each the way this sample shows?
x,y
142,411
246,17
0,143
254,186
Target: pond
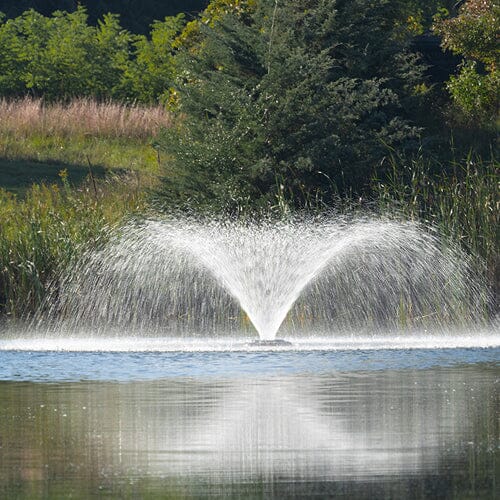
x,y
264,423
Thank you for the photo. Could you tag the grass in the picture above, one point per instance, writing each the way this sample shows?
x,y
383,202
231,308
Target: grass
x,y
81,117
38,159
42,232
51,208
38,140
462,201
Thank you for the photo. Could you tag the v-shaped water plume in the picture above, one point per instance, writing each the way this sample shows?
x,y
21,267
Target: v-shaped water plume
x,y
266,266
199,277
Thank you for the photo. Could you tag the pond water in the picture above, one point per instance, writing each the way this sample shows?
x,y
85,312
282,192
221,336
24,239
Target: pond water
x,y
348,423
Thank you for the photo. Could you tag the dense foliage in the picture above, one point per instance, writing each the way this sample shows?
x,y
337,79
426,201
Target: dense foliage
x,y
276,101
473,34
62,56
292,100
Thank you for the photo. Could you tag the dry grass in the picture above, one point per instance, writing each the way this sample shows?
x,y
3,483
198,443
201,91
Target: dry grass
x,y
81,117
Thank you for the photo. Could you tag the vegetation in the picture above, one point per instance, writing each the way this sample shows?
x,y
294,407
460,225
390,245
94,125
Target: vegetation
x,y
255,103
46,225
473,34
38,140
278,104
41,233
113,120
463,204
292,100
62,56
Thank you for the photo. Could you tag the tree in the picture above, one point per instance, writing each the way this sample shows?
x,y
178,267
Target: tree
x,y
290,101
473,35
151,72
62,56
10,63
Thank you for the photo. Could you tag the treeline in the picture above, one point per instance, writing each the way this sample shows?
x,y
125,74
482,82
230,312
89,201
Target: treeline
x,y
63,56
135,15
292,100
300,102
59,49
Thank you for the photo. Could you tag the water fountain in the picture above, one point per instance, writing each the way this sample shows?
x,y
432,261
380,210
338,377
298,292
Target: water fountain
x,y
191,278
138,376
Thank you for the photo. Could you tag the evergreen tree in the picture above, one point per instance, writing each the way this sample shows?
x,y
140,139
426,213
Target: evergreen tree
x,y
290,101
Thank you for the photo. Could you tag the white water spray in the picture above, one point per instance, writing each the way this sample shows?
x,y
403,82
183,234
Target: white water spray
x,y
199,278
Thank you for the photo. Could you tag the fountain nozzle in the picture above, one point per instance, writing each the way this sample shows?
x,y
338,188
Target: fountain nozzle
x,y
269,343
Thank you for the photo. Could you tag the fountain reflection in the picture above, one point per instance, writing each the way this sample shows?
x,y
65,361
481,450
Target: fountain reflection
x,y
314,428
185,435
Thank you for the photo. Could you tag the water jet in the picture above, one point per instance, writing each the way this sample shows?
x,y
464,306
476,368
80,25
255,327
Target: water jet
x,y
178,278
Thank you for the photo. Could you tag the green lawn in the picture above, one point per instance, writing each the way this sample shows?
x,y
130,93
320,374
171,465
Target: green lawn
x,y
36,159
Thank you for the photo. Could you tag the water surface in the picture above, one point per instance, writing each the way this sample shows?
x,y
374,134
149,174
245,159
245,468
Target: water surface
x,y
398,423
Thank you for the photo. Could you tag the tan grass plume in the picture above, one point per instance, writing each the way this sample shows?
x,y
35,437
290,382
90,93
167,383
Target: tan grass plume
x,y
82,116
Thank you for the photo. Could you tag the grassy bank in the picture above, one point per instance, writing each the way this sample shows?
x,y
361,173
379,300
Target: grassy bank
x,y
68,172
38,140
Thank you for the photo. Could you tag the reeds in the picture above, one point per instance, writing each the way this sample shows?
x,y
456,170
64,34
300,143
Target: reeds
x,y
81,117
462,200
42,232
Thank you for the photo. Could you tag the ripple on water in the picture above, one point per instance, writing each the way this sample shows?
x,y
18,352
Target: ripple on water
x,y
126,359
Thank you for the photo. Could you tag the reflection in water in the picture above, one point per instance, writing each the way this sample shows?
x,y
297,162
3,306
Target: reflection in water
x,y
371,433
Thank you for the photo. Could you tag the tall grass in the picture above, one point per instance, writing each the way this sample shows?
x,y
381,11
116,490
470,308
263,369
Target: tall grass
x,y
83,116
462,200
42,232
46,228
106,135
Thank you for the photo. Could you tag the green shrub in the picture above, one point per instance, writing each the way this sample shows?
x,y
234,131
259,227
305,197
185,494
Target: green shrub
x,y
62,57
473,34
151,71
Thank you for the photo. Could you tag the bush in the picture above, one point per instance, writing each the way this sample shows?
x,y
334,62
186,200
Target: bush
x,y
473,34
62,57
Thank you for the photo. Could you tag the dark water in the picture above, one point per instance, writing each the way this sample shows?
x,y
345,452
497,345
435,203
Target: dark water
x,y
354,424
